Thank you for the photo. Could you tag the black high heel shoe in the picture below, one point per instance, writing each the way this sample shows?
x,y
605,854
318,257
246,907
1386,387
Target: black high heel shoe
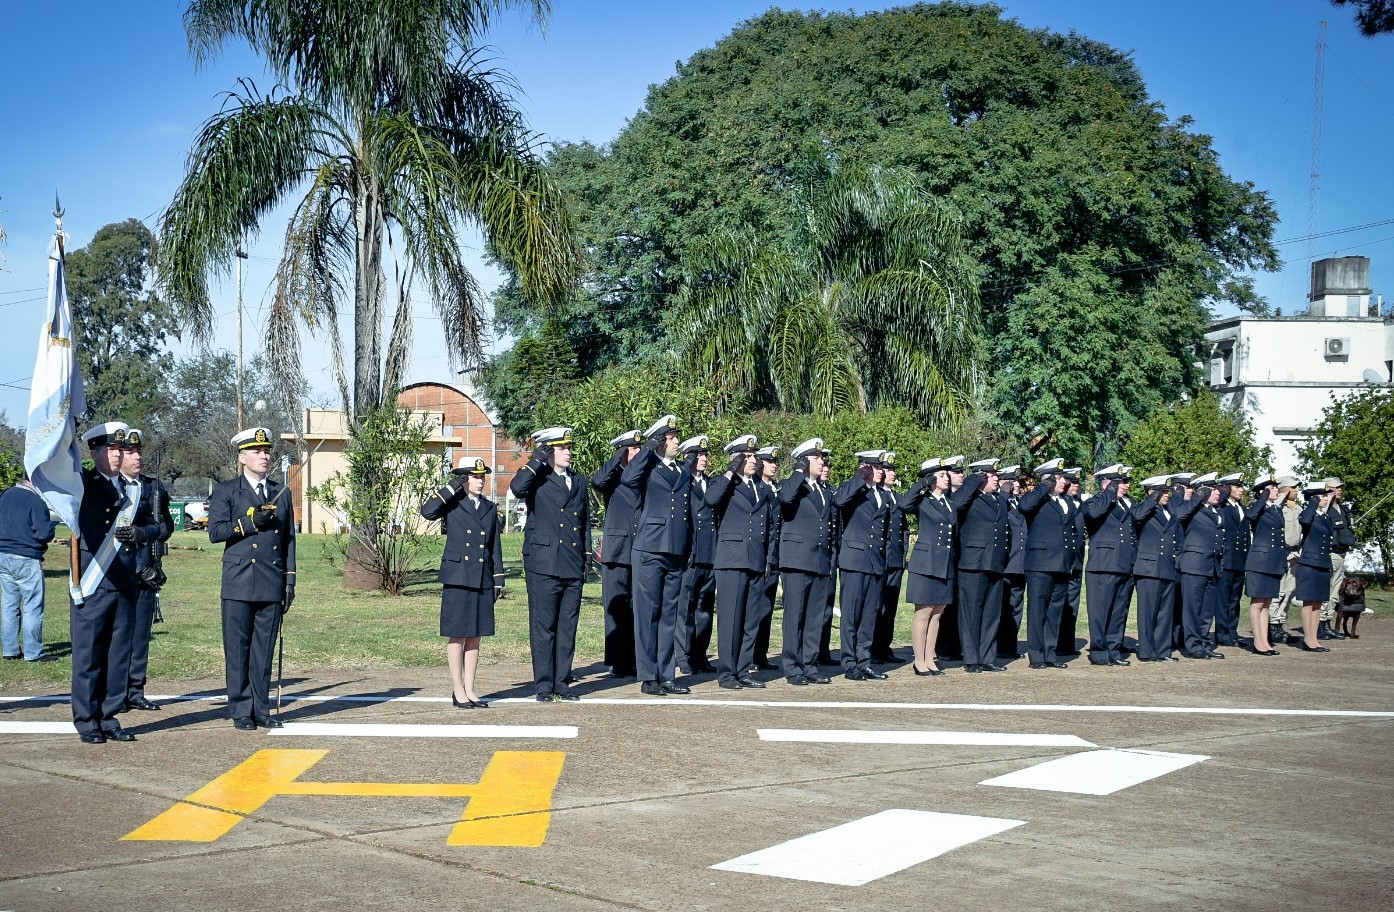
x,y
1302,644
458,705
930,673
478,704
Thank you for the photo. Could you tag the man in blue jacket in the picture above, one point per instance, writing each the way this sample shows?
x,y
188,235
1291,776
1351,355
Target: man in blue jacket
x,y
861,561
616,574
742,517
1200,559
697,603
1155,575
25,531
984,542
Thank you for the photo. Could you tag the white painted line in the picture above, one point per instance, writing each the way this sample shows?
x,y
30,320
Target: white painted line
x,y
353,730
868,849
853,736
1100,772
37,728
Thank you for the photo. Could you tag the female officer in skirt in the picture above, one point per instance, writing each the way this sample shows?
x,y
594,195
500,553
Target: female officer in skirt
x,y
930,569
472,571
1313,570
1267,559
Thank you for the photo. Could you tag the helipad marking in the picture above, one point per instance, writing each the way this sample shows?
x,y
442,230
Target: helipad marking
x,y
356,730
1100,772
868,849
855,736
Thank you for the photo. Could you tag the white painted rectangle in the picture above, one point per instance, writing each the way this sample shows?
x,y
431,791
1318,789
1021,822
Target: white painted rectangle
x,y
384,730
1100,772
37,728
868,849
854,736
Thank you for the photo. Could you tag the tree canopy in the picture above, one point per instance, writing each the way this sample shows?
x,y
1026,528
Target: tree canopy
x,y
1196,436
1104,227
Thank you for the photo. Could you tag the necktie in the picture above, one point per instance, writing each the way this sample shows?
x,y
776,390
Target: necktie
x,y
818,489
261,490
567,478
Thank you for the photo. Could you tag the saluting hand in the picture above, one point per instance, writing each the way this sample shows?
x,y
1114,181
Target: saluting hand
x,y
733,468
458,481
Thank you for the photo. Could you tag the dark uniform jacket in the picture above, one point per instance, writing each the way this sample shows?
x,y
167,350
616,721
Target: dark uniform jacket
x,y
1112,533
703,524
1054,538
473,555
1203,544
897,535
152,514
742,524
621,510
255,563
96,515
863,545
1016,552
769,499
1268,552
933,554
806,526
557,538
665,510
1237,536
984,539
1158,539
1316,537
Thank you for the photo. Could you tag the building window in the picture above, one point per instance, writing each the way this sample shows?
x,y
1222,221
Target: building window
x,y
1222,365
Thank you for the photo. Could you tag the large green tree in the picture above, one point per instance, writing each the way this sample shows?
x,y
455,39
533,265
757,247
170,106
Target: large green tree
x,y
1196,436
393,136
1077,192
1353,442
874,303
121,323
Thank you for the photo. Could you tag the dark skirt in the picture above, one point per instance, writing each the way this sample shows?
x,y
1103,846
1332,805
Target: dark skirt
x,y
928,590
1313,584
1262,585
466,612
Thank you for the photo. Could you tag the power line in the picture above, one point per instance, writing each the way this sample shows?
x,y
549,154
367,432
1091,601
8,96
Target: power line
x,y
25,301
1334,231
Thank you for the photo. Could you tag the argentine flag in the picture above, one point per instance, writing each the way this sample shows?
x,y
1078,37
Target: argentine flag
x,y
55,399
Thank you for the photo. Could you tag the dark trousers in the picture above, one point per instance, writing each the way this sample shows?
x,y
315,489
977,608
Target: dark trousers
x,y
769,590
1045,603
1197,603
615,591
739,594
101,635
1013,601
1155,598
1178,630
979,613
249,636
861,596
883,637
554,608
657,591
1069,615
693,634
947,645
825,636
141,632
805,606
1110,596
1229,590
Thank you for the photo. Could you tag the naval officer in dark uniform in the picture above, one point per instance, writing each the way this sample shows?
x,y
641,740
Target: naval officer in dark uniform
x,y
1202,552
806,521
861,561
153,525
1053,539
471,573
1069,618
255,518
102,610
765,477
556,551
742,517
1229,592
697,603
1014,578
897,543
616,574
984,542
1154,570
1266,561
1108,519
661,549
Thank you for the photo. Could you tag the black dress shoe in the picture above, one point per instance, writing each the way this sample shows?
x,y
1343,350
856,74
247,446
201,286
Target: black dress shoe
x,y
547,698
1196,655
1119,662
567,696
928,673
118,734
142,703
1059,664
1305,648
46,657
268,721
875,675
818,678
1264,652
729,684
1154,659
621,673
856,674
652,688
765,665
92,737
993,667
826,659
799,680
705,668
673,687
751,683
458,705
244,724
1227,641
973,669
1216,655
1037,666
885,658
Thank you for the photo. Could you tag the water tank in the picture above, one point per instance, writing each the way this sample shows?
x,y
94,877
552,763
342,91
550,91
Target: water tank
x,y
1340,276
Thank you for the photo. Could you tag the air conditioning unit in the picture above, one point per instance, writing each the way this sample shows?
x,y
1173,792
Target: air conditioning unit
x,y
1337,349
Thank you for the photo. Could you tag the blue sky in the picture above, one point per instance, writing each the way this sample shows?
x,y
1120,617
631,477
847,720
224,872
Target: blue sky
x,y
101,101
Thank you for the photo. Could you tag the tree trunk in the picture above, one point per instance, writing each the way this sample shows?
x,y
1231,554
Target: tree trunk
x,y
367,300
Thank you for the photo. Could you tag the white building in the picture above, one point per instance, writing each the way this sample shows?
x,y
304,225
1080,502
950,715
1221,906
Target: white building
x,y
1283,371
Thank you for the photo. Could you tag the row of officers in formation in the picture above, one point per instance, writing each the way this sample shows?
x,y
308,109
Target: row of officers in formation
x,y
683,541
122,525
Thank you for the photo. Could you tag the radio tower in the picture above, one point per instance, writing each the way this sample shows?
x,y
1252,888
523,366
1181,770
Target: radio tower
x,y
1316,143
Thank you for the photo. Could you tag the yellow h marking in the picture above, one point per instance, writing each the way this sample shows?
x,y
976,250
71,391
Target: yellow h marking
x,y
509,805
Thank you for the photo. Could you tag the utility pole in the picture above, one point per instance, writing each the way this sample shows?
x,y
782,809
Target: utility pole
x,y
241,417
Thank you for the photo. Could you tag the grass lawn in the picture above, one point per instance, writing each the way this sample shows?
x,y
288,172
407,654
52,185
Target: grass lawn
x,y
331,627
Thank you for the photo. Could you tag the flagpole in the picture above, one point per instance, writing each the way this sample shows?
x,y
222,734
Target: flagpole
x,y
74,559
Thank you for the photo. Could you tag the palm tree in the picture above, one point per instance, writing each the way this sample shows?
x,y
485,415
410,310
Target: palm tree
x,y
875,303
396,136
